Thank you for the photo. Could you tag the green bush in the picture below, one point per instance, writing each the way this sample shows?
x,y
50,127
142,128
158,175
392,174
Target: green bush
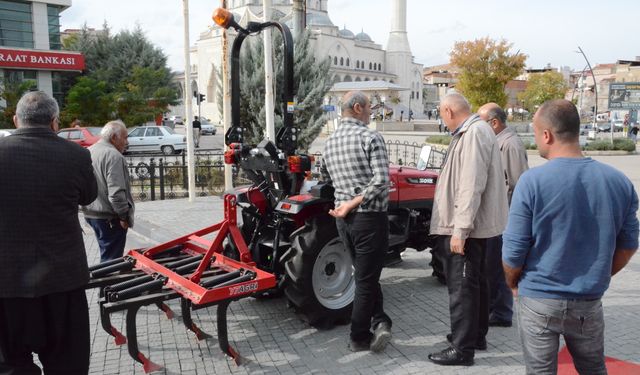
x,y
619,144
439,139
530,146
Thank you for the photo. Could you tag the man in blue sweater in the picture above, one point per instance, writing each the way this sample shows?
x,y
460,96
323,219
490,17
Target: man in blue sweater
x,y
572,225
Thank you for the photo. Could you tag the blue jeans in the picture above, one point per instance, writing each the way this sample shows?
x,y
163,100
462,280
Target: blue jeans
x,y
500,296
366,236
581,322
111,236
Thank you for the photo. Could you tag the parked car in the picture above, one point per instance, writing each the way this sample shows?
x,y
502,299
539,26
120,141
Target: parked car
x,y
85,137
156,138
177,119
207,127
606,127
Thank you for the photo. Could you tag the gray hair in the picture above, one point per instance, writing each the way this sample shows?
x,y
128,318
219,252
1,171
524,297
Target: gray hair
x,y
352,98
497,113
36,109
112,128
562,117
456,101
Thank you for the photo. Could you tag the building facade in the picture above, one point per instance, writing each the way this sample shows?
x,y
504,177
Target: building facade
x,y
30,46
354,57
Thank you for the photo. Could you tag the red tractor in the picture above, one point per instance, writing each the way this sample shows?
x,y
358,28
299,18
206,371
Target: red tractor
x,y
285,217
293,246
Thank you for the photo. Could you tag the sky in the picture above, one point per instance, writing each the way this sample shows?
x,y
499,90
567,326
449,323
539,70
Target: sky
x,y
547,31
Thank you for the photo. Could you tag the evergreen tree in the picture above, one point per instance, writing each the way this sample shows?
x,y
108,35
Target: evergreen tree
x,y
11,91
311,83
129,70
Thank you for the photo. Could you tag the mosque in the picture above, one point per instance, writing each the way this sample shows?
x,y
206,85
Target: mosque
x,y
357,62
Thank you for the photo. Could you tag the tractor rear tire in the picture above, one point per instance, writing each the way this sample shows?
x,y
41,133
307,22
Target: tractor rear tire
x,y
321,284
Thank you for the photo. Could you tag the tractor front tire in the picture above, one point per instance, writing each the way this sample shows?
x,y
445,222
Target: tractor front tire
x,y
321,284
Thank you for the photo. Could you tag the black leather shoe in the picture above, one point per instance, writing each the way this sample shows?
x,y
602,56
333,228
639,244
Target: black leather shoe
x,y
359,346
450,357
480,344
499,323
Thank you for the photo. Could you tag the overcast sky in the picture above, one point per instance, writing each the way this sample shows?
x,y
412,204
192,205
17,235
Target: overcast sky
x,y
548,31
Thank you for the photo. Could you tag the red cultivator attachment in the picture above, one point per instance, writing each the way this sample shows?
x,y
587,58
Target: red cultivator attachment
x,y
190,268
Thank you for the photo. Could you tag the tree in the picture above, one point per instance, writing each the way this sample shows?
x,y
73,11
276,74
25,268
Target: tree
x,y
542,87
89,101
11,91
311,83
485,68
134,71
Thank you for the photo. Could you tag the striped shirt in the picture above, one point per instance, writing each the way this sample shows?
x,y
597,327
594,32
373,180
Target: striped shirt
x,y
356,163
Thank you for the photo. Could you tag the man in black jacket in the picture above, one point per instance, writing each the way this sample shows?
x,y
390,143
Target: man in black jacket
x,y
43,264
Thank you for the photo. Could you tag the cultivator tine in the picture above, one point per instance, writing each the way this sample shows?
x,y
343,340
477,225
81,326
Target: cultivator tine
x,y
223,336
132,343
185,308
166,309
105,321
106,264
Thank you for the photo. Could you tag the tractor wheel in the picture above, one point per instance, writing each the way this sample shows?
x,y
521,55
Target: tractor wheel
x,y
321,283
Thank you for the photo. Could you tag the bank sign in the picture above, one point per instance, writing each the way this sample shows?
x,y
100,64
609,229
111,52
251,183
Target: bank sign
x,y
29,59
624,95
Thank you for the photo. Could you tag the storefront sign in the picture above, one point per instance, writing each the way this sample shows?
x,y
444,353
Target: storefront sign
x,y
27,59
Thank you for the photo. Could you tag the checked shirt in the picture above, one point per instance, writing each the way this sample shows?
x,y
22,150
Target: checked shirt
x,y
356,163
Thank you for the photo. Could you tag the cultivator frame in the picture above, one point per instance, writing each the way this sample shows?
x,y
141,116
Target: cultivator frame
x,y
190,268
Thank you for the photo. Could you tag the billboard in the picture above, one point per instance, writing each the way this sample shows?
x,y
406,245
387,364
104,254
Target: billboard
x,y
44,60
624,95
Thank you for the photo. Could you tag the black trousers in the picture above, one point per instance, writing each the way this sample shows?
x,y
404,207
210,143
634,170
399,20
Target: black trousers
x,y
366,236
56,327
468,293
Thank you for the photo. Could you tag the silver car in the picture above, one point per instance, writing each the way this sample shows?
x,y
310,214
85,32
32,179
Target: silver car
x,y
206,127
156,139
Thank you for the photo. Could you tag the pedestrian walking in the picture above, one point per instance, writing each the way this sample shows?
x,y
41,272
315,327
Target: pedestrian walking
x,y
111,214
470,205
572,225
633,133
43,263
356,164
197,128
514,161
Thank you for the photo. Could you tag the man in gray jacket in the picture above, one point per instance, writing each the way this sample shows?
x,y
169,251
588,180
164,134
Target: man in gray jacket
x,y
514,162
470,205
111,214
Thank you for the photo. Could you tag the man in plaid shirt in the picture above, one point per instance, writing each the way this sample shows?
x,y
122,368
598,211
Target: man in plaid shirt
x,y
356,164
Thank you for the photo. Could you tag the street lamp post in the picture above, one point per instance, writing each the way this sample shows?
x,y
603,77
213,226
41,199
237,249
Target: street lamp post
x,y
595,91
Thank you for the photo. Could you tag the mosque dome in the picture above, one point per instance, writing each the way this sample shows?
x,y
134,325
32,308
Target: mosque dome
x,y
345,33
363,37
319,19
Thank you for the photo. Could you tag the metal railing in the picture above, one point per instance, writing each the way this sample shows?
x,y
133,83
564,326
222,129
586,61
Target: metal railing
x,y
159,177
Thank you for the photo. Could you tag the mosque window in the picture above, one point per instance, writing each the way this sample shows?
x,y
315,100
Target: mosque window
x,y
379,67
341,61
370,65
347,61
335,60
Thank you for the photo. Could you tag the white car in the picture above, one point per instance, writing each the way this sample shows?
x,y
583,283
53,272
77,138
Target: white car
x,y
155,139
207,128
177,119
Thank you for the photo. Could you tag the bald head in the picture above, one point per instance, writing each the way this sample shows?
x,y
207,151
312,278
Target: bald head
x,y
454,110
494,116
356,104
561,117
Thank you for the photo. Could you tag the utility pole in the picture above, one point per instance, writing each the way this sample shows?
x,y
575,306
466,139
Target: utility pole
x,y
268,73
187,104
298,18
226,98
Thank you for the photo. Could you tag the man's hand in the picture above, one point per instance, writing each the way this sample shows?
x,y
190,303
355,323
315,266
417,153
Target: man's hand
x,y
343,210
124,224
457,245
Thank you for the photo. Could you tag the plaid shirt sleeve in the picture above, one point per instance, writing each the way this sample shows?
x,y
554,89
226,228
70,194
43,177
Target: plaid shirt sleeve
x,y
379,163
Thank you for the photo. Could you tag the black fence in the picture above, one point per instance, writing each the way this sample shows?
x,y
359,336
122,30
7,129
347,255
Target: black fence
x,y
159,177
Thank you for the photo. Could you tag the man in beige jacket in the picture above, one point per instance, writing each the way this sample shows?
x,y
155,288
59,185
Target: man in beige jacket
x,y
470,206
515,163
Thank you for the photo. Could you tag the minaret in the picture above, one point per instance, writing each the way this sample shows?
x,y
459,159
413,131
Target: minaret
x,y
399,59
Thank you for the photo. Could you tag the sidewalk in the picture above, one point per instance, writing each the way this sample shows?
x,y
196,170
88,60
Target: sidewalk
x,y
273,340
